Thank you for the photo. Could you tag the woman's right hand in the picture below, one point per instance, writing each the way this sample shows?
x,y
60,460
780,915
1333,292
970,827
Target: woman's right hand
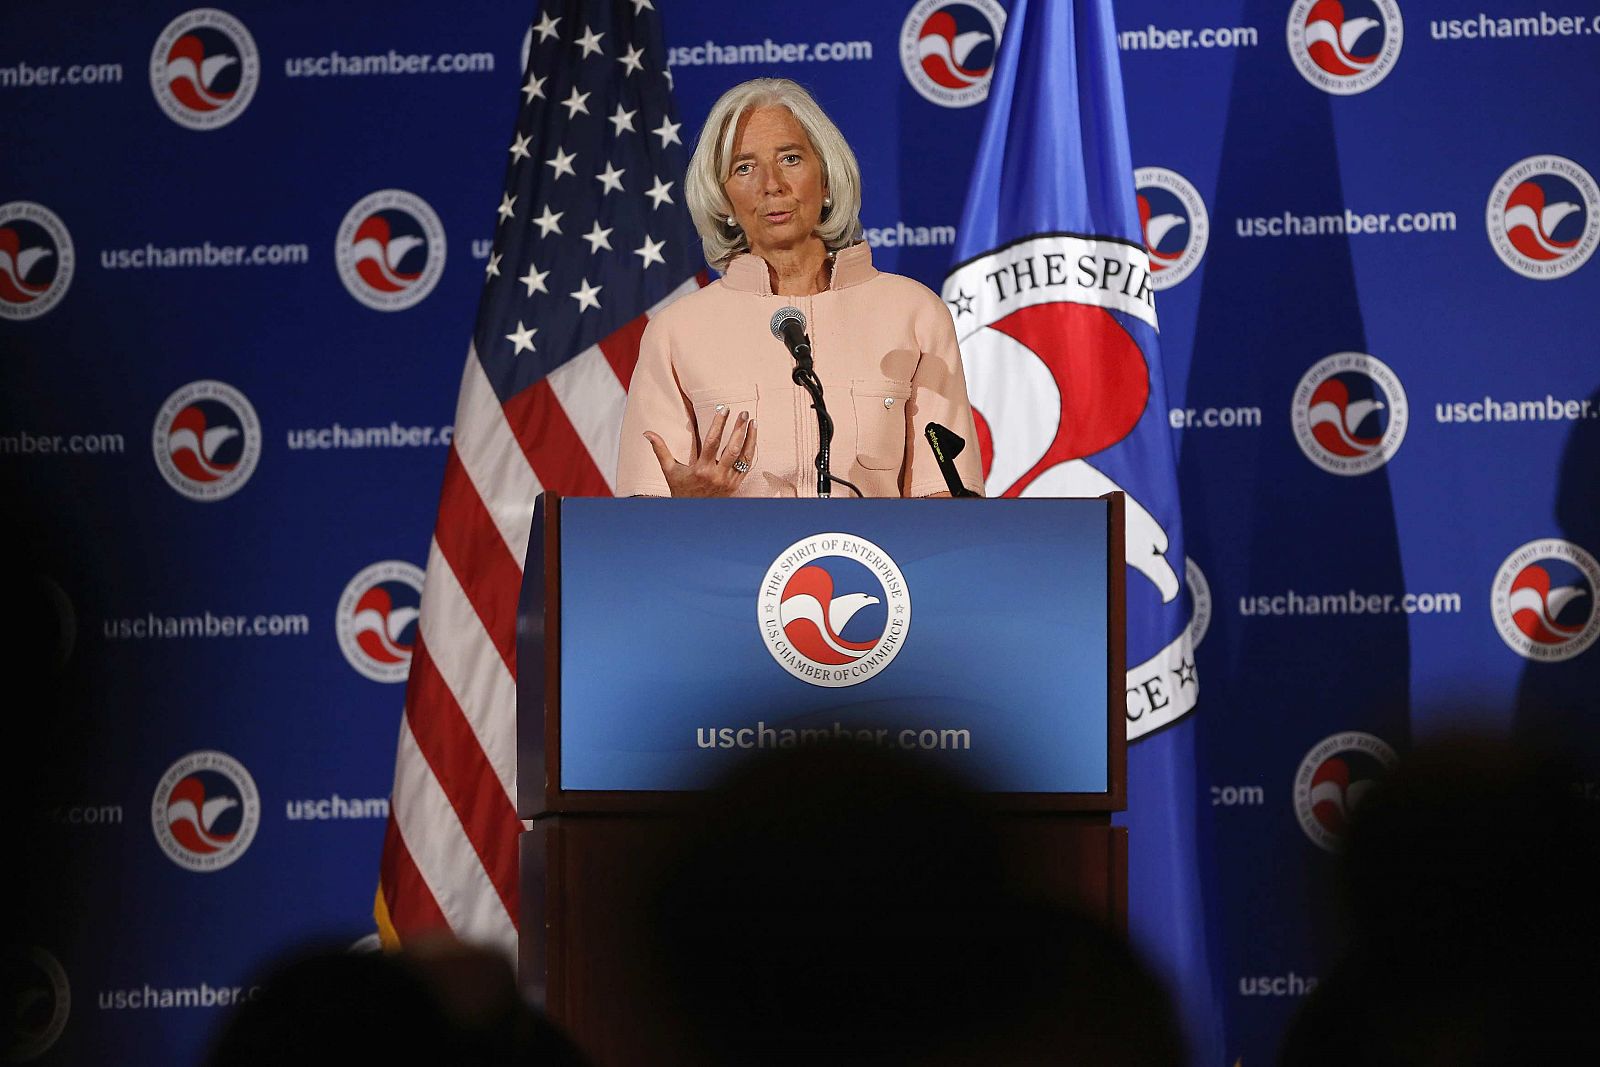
x,y
711,471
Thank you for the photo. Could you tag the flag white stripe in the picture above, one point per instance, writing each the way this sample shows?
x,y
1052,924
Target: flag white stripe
x,y
471,667
589,392
439,847
494,460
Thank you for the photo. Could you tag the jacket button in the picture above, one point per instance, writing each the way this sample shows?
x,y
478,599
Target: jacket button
x,y
888,401
720,408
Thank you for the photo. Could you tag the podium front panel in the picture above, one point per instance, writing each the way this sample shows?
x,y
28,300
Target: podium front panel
x,y
694,633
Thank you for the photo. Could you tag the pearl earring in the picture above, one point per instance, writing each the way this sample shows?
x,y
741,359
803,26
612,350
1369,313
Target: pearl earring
x,y
827,201
732,223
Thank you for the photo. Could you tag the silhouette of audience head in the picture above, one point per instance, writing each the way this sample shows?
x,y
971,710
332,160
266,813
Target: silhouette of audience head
x,y
1474,938
845,905
840,905
441,1002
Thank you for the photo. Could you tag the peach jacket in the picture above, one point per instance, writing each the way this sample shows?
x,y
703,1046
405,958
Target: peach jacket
x,y
884,347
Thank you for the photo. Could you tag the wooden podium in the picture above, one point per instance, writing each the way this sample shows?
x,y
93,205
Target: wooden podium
x,y
652,622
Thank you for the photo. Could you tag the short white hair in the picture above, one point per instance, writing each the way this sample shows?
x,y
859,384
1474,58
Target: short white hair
x,y
711,165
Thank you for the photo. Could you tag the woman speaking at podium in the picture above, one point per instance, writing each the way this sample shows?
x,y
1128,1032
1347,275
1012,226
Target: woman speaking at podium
x,y
737,384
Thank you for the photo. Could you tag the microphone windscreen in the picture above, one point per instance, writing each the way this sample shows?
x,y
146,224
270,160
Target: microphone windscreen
x,y
945,441
947,445
783,316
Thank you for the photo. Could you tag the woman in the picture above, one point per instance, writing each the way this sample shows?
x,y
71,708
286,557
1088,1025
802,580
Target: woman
x,y
775,193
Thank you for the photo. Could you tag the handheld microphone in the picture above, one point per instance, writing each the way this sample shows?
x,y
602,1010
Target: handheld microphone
x,y
947,445
789,326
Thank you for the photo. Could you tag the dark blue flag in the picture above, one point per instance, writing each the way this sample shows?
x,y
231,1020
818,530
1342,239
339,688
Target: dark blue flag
x,y
1054,304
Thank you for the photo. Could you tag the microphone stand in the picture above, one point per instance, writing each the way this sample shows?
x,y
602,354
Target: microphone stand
x,y
789,326
806,379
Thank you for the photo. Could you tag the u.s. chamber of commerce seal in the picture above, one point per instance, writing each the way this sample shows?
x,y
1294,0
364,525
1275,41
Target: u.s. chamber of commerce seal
x,y
1543,600
58,619
1332,779
204,69
205,811
376,621
948,49
207,440
1175,223
36,260
1344,46
41,1002
1543,217
1349,413
390,250
834,609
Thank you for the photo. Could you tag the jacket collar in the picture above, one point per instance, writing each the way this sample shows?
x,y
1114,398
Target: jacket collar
x,y
851,266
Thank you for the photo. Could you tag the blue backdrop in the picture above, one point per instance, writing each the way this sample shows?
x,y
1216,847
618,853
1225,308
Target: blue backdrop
x,y
221,439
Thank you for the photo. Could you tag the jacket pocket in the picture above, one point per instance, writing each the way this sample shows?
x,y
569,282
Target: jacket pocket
x,y
880,408
709,403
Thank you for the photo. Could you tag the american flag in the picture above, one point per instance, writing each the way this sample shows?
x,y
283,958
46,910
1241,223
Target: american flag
x,y
592,237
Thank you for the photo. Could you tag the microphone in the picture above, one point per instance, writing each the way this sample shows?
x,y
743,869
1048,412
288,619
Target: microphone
x,y
947,445
789,326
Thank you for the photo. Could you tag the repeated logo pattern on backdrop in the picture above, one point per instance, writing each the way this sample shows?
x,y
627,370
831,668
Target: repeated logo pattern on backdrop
x,y
1332,779
1349,413
1345,48
258,243
1175,222
1544,217
204,69
205,811
948,48
44,1003
377,619
1544,600
390,250
36,260
207,440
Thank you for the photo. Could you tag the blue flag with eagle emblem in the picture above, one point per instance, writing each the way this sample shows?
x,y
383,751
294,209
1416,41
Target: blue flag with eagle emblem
x,y
1054,305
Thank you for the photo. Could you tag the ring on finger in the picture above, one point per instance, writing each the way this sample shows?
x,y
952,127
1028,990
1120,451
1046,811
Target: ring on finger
x,y
741,466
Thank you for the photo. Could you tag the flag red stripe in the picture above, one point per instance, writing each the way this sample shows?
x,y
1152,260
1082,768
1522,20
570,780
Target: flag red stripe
x,y
550,441
447,742
621,349
480,558
412,908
